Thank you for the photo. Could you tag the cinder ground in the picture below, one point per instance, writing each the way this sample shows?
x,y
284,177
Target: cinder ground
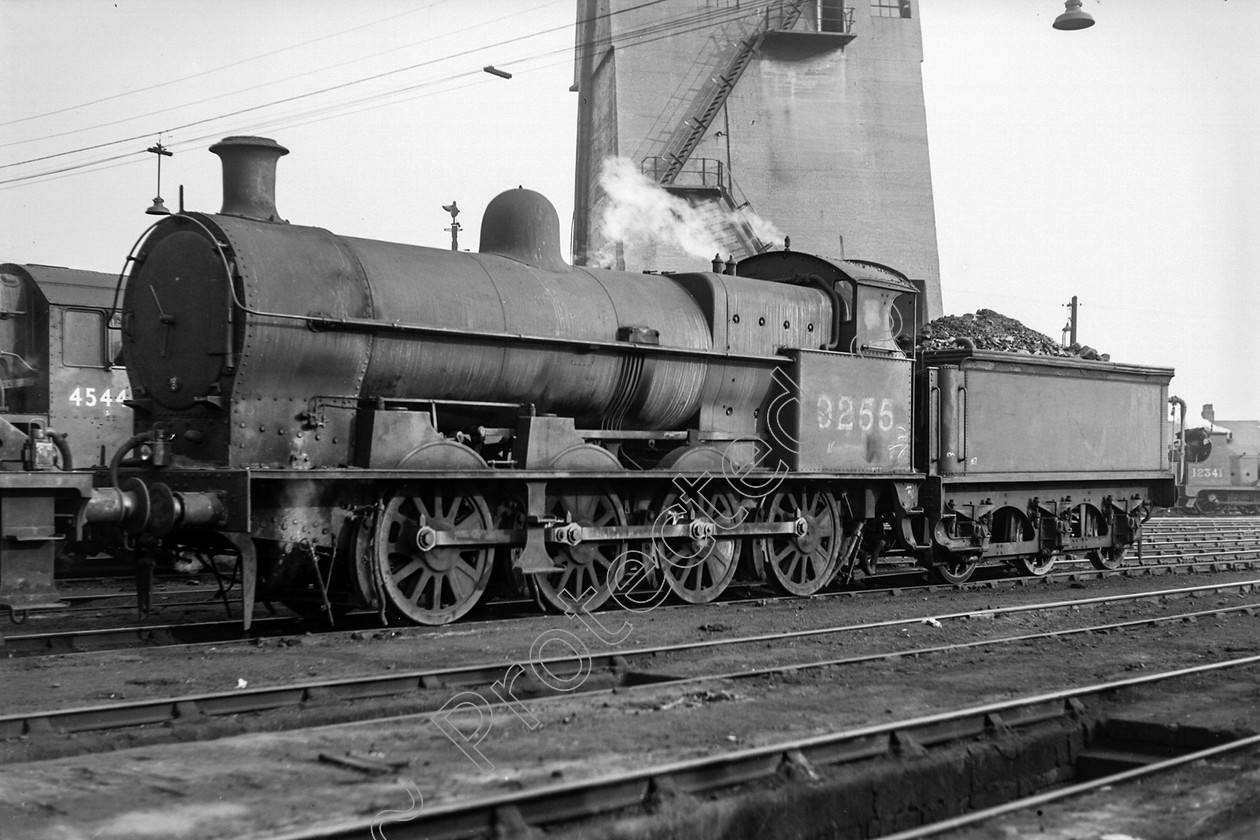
x,y
72,680
258,783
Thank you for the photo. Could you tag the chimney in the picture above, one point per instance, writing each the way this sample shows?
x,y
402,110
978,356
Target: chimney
x,y
249,176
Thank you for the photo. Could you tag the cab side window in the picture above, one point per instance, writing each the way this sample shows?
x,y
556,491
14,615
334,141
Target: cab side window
x,y
83,340
1198,446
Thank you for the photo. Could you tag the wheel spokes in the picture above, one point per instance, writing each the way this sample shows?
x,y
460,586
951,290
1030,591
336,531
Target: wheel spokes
x,y
583,568
407,570
698,569
439,584
802,564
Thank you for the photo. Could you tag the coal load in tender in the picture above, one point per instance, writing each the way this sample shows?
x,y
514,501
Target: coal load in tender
x,y
990,330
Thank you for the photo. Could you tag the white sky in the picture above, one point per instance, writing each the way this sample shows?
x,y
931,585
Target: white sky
x,y
1119,163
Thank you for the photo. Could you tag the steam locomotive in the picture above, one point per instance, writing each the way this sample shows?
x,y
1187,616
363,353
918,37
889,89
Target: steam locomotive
x,y
62,405
366,424
1217,466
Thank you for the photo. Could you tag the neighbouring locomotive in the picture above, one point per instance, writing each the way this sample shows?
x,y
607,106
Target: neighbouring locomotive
x,y
60,366
1218,467
372,424
61,405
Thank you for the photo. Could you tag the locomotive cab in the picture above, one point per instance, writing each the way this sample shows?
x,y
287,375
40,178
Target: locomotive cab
x,y
1219,470
876,321
56,366
872,304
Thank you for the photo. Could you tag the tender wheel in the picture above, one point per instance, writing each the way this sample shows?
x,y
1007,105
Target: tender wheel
x,y
1036,566
953,570
1088,521
425,583
699,568
583,567
1107,559
801,564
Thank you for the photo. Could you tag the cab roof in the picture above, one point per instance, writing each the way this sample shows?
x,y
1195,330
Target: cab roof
x,y
783,266
68,286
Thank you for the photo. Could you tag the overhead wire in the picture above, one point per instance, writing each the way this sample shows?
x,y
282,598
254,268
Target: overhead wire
x,y
192,76
647,34
269,83
328,89
665,29
693,25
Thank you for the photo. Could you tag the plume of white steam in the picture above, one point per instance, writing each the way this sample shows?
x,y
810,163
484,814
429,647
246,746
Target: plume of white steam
x,y
764,229
639,212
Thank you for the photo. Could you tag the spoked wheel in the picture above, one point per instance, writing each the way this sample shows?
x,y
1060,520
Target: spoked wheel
x,y
1206,504
1088,521
953,569
423,582
1036,565
1107,559
699,568
1011,526
583,574
801,563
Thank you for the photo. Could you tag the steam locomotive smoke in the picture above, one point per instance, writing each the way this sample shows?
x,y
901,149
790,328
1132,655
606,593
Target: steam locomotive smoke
x,y
640,212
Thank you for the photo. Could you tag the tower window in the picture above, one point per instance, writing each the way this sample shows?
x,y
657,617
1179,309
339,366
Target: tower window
x,y
833,16
890,8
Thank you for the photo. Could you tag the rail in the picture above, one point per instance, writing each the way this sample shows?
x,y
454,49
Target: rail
x,y
590,797
164,710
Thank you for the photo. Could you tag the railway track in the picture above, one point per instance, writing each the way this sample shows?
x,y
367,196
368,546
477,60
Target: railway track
x,y
782,678
623,667
559,804
228,632
1096,785
1236,554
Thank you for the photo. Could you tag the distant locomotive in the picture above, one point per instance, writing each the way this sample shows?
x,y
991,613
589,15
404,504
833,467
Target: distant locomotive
x,y
371,424
61,405
1218,467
